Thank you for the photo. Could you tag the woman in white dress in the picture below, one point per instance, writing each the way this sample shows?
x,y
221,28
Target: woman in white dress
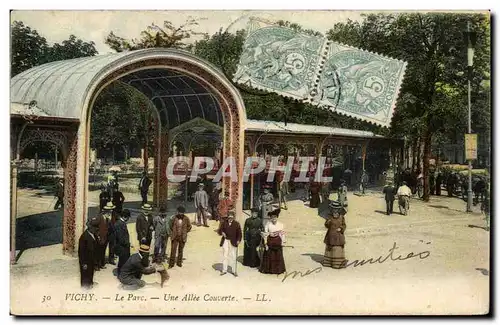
x,y
274,237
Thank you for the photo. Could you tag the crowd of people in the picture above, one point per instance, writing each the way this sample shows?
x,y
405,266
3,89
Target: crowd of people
x,y
262,234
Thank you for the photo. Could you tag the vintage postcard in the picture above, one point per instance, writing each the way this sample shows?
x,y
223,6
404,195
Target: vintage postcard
x,y
250,162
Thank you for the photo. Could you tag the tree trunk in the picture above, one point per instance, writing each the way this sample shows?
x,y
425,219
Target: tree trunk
x,y
419,152
113,154
427,138
145,156
414,154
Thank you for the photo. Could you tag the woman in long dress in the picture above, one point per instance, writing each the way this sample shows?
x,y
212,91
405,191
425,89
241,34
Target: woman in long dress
x,y
251,234
274,237
315,188
334,239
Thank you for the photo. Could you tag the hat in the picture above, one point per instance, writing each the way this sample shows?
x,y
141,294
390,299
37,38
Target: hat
x,y
201,185
162,210
335,205
144,248
109,206
94,222
231,214
255,209
274,213
147,207
181,209
266,186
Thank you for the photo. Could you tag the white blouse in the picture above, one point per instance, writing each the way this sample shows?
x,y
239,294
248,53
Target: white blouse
x,y
274,230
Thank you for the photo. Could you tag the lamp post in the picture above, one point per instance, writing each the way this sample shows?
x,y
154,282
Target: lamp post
x,y
470,38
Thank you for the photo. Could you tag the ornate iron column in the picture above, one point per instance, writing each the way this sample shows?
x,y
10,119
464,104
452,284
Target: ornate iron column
x,y
69,219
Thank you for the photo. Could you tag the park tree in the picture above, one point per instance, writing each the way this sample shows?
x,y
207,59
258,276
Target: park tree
x,y
166,36
30,49
433,94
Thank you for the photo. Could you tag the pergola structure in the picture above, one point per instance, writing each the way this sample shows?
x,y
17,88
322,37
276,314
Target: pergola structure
x,y
57,98
270,132
193,99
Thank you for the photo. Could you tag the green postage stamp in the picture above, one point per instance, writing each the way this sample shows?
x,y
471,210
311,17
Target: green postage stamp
x,y
279,60
345,79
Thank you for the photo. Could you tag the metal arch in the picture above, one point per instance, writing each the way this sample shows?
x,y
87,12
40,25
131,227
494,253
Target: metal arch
x,y
216,108
163,110
189,107
196,82
201,105
170,82
142,83
177,110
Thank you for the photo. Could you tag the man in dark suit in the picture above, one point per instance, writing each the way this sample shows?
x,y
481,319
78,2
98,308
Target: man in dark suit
x,y
144,184
137,265
102,238
231,234
87,245
122,247
118,200
179,227
389,192
104,198
59,194
144,225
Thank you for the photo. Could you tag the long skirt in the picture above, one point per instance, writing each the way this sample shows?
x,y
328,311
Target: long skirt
x,y
334,257
250,254
314,200
272,260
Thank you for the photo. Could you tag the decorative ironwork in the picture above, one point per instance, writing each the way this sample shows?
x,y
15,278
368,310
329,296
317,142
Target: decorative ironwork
x,y
31,135
69,219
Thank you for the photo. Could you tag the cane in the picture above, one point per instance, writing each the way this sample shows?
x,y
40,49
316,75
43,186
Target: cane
x,y
236,262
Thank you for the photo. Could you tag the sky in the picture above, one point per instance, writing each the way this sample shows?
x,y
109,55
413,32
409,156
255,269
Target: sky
x,y
57,26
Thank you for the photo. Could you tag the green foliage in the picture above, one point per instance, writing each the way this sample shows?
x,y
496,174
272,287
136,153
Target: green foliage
x,y
30,49
167,36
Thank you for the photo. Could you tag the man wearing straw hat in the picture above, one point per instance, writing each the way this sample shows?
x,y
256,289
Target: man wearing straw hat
x,y
137,265
230,230
144,225
201,205
179,227
104,219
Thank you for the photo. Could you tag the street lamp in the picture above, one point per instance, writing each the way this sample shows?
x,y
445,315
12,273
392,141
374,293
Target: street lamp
x,y
470,38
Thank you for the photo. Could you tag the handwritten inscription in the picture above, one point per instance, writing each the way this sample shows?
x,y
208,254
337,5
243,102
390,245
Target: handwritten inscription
x,y
356,263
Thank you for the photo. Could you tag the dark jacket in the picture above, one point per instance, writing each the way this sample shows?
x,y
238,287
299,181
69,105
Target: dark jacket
x,y
144,226
179,231
252,228
134,269
60,190
389,192
144,184
334,237
118,200
233,231
103,229
86,249
122,237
